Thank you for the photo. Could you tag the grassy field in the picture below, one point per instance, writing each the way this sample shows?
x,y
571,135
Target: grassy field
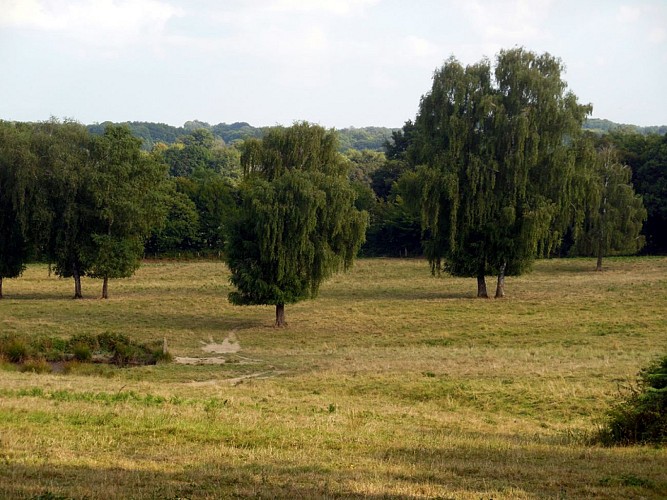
x,y
392,384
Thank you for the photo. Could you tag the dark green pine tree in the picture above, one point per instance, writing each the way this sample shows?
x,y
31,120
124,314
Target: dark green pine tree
x,y
296,223
496,164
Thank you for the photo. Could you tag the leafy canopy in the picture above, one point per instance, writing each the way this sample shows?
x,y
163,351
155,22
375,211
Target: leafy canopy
x,y
295,224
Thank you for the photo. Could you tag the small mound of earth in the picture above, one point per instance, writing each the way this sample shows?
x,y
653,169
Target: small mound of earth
x,y
229,345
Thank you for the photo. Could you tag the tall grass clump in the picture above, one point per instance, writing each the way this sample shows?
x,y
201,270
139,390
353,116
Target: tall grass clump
x,y
641,417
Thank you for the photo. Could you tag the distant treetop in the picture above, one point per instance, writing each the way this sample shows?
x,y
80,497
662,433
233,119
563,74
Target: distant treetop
x,y
359,138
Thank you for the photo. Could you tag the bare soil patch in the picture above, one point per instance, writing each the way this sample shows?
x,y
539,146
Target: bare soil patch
x,y
230,345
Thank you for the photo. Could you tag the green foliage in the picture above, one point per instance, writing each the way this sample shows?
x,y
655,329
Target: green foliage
x,y
296,222
641,417
67,202
127,188
612,213
495,162
647,157
365,138
17,191
15,349
602,126
107,347
180,230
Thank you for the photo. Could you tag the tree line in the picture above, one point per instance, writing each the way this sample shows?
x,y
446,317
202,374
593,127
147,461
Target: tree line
x,y
494,171
359,138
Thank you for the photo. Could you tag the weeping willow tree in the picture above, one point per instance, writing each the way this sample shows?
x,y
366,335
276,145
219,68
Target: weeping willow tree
x,y
295,224
613,215
17,188
494,183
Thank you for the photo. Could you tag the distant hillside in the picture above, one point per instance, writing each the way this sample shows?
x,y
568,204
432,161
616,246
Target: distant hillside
x,y
602,126
372,138
151,133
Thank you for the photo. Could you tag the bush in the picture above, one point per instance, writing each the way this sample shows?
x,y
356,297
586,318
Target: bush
x,y
642,416
82,352
107,347
17,351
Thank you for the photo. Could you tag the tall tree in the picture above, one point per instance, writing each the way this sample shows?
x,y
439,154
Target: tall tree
x,y
496,164
126,187
296,223
613,213
17,188
64,158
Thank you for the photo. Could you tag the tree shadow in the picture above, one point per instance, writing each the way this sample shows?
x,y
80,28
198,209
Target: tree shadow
x,y
210,481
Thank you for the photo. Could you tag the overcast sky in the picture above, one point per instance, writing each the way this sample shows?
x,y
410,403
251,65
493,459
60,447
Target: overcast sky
x,y
338,63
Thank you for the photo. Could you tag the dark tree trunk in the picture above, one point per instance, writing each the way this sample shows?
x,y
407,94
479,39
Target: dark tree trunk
x,y
105,288
481,286
1,287
500,288
77,285
280,316
598,266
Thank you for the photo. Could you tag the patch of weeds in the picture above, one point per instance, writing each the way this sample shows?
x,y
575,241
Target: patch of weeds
x,y
437,342
96,369
429,374
44,354
16,350
36,365
82,353
627,480
34,392
632,480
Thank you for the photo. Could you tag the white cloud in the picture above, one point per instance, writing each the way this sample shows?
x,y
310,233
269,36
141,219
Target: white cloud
x,y
106,23
509,21
629,13
419,47
658,35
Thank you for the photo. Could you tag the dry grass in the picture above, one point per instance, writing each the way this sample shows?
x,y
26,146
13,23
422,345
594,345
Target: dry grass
x,y
392,384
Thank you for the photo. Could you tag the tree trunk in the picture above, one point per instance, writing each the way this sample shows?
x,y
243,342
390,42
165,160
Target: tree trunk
x,y
598,267
1,287
481,287
105,288
500,288
77,285
280,316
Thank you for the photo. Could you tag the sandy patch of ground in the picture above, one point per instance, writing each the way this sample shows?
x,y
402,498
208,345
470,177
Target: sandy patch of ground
x,y
230,345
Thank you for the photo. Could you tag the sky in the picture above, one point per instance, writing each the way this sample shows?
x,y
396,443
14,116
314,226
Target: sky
x,y
338,63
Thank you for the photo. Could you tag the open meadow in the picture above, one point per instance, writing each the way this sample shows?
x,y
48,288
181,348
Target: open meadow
x,y
391,384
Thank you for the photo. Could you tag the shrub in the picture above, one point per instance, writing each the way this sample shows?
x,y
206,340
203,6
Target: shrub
x,y
642,416
82,352
17,351
52,348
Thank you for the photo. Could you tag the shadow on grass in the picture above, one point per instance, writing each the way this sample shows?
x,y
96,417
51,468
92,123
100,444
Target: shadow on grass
x,y
210,481
397,294
474,470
